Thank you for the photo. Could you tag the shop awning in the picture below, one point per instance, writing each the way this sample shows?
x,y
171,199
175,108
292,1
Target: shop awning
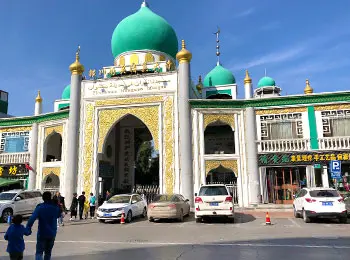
x,y
6,182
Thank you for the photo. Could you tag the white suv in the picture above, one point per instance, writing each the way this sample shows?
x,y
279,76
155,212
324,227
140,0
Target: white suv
x,y
214,200
18,202
310,203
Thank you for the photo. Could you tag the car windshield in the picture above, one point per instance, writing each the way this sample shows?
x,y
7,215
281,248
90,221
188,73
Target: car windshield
x,y
119,199
324,193
164,198
213,191
7,196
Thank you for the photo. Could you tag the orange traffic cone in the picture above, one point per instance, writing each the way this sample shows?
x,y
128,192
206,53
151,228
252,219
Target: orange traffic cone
x,y
122,220
268,220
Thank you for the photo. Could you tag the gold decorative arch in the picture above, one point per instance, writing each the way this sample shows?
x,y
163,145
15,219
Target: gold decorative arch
x,y
108,118
229,164
161,58
122,61
15,129
57,128
149,57
224,118
53,170
134,58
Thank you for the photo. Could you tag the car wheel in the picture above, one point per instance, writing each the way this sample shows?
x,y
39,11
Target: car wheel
x,y
144,212
101,221
5,214
343,220
181,218
150,219
129,217
306,218
296,214
198,220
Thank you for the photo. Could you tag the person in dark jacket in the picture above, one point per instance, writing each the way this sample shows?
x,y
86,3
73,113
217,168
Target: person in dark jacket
x,y
47,213
59,200
81,201
74,207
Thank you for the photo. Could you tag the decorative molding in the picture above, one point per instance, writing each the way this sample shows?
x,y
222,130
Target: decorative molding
x,y
57,128
15,129
88,148
229,164
225,118
54,170
287,110
128,101
169,146
108,117
332,107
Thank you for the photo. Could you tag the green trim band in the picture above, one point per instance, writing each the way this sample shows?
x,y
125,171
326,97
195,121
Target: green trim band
x,y
28,120
313,127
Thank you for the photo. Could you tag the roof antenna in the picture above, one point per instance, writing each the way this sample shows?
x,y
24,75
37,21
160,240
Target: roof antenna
x,y
144,4
218,46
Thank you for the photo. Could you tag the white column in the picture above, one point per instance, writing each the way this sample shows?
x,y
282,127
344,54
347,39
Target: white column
x,y
325,180
263,185
33,157
196,151
252,157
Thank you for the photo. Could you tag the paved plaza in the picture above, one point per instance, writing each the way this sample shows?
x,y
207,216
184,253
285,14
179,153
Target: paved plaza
x,y
248,238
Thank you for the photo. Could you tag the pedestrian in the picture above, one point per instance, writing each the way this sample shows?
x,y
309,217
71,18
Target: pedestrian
x,y
86,209
14,236
81,202
59,201
47,213
92,205
74,207
108,195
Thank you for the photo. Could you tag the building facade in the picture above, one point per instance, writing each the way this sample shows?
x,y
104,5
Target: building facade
x,y
264,147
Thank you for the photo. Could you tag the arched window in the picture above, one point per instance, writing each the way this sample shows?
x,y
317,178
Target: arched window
x,y
221,175
219,139
53,147
51,182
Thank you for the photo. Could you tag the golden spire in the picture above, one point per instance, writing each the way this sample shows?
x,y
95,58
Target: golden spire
x,y
308,89
184,55
247,78
38,98
199,86
76,67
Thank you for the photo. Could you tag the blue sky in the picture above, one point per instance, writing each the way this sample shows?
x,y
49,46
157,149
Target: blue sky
x,y
293,40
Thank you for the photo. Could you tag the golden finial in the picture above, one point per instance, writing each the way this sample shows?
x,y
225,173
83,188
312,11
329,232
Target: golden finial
x,y
133,68
112,72
123,69
308,89
247,78
199,86
92,73
38,98
184,55
76,67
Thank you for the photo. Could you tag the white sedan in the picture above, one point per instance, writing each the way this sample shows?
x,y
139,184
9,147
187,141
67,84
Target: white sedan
x,y
133,205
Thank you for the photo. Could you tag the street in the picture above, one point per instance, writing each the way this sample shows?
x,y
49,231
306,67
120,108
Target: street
x,y
248,238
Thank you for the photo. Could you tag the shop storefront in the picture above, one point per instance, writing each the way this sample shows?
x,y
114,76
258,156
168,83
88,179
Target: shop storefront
x,y
282,175
15,172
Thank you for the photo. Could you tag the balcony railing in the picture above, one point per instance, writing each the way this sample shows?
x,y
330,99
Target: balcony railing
x,y
283,145
6,158
334,143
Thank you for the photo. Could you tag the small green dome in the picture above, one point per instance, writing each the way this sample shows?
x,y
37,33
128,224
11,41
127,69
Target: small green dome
x,y
266,82
144,30
219,76
66,92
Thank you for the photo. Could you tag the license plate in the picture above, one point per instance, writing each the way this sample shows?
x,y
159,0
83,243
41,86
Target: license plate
x,y
107,215
328,203
214,204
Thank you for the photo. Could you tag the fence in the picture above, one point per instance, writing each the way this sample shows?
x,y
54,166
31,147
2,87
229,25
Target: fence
x,y
232,187
149,192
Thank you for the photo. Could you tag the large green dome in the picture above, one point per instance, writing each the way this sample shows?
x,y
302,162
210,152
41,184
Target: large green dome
x,y
219,76
144,30
66,92
266,82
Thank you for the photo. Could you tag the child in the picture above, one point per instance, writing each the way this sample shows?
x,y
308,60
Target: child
x,y
86,208
14,236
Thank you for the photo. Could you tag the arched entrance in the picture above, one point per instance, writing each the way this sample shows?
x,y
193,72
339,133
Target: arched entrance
x,y
51,183
129,159
53,147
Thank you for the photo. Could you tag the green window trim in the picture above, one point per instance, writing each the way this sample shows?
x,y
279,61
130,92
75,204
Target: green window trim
x,y
313,128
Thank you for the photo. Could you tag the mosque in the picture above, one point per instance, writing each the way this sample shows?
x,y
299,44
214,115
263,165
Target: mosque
x,y
265,146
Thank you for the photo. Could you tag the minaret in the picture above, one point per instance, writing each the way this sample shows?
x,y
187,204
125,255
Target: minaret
x,y
34,144
251,148
248,86
185,130
71,173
